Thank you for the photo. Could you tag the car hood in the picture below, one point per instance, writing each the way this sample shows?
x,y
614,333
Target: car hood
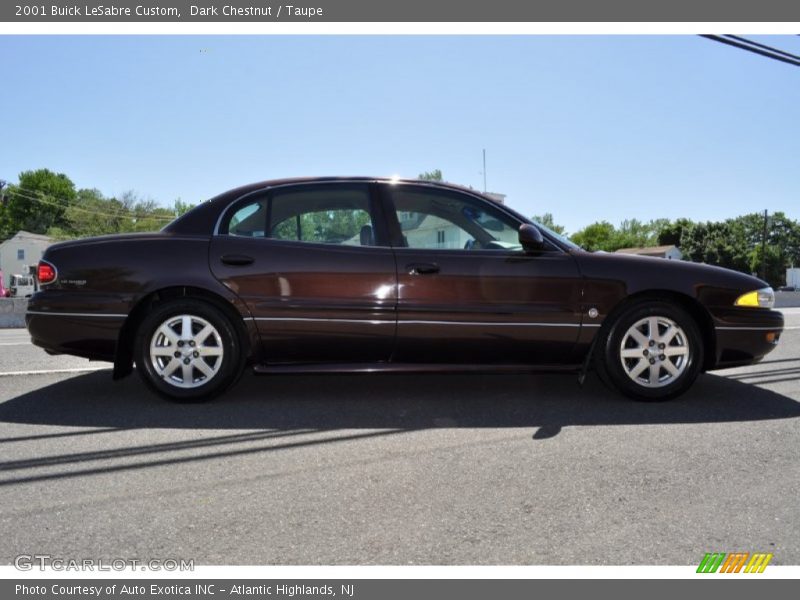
x,y
646,272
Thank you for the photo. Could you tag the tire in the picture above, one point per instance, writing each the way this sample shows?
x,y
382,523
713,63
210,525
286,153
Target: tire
x,y
208,361
647,367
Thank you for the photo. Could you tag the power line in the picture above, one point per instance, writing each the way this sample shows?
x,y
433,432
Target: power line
x,y
763,47
122,213
756,48
29,195
96,212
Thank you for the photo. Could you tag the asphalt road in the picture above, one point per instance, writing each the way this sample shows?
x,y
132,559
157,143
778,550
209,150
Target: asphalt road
x,y
397,469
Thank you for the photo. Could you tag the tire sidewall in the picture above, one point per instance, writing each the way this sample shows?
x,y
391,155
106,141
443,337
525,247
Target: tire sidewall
x,y
613,365
231,359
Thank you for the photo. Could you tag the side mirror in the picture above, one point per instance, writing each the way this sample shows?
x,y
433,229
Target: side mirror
x,y
531,238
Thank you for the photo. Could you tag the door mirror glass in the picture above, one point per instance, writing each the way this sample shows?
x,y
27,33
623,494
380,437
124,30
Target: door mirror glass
x,y
531,238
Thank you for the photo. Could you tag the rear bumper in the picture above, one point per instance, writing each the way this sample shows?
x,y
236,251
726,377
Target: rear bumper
x,y
90,336
744,336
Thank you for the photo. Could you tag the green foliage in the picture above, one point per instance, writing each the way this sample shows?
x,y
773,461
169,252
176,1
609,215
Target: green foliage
x,y
324,226
774,264
37,202
631,233
547,220
597,236
48,203
733,243
671,231
180,207
435,175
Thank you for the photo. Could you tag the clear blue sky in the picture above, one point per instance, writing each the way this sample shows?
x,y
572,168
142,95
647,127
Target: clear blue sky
x,y
585,127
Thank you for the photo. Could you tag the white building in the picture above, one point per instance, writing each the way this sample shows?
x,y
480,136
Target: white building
x,y
429,231
671,252
499,198
19,252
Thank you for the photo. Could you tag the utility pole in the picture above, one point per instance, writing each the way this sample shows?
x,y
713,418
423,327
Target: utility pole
x,y
764,249
484,170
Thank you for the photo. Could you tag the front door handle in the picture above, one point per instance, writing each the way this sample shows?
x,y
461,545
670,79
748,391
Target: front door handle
x,y
422,268
237,260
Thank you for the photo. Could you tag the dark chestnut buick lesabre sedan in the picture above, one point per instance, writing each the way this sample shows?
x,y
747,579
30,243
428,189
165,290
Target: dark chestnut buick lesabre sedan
x,y
363,275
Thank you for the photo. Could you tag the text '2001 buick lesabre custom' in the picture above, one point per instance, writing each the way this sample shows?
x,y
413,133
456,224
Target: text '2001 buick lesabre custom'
x,y
368,275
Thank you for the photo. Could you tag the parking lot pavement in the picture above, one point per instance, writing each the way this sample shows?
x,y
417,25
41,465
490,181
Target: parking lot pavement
x,y
398,469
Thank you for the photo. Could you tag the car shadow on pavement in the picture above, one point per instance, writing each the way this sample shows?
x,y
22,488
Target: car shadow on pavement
x,y
388,401
289,412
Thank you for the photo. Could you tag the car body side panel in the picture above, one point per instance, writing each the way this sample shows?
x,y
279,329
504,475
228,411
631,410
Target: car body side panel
x,y
344,307
739,333
83,311
314,302
485,306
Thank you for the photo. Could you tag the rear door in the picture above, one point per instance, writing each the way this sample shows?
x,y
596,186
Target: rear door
x,y
467,292
313,265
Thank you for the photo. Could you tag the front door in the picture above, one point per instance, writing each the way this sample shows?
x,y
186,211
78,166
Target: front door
x,y
312,264
467,292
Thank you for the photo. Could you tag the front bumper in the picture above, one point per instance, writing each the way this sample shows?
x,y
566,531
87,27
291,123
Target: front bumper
x,y
745,335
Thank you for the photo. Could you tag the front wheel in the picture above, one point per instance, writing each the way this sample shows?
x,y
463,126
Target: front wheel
x,y
187,351
653,351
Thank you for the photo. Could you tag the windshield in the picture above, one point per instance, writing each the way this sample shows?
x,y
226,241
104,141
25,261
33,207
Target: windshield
x,y
561,238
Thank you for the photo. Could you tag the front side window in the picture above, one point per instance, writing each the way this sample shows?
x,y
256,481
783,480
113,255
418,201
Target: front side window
x,y
323,215
435,219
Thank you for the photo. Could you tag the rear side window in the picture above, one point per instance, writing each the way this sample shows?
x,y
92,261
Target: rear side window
x,y
249,220
323,215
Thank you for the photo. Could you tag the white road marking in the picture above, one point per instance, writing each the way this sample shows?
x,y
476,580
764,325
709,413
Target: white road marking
x,y
49,371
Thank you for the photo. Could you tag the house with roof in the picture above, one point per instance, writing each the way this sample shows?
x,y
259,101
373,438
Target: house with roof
x,y
20,252
671,252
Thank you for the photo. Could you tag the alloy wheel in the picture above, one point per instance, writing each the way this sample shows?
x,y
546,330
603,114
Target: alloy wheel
x,y
186,351
654,351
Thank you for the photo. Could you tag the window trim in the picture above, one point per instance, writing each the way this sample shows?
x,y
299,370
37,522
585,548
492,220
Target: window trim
x,y
375,209
396,232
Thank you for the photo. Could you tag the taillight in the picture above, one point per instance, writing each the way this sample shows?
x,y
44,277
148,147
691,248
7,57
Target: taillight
x,y
46,272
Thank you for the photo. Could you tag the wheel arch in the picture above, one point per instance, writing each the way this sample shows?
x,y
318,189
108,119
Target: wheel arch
x,y
696,310
123,360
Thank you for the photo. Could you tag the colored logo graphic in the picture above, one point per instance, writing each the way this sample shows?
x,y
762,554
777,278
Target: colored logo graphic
x,y
734,562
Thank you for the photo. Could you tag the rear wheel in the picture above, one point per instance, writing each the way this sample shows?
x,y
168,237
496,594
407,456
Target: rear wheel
x,y
653,351
188,351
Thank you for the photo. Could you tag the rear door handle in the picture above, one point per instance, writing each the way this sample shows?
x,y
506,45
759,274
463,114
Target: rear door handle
x,y
422,268
237,260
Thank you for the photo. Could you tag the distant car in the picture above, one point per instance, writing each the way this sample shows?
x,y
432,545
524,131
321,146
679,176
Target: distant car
x,y
379,275
788,288
22,286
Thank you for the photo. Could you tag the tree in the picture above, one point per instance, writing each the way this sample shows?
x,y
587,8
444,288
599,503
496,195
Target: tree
x,y
597,236
547,220
435,175
632,233
38,202
180,207
670,233
774,263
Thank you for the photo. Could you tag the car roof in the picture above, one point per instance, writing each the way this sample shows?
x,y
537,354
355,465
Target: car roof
x,y
203,217
251,187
